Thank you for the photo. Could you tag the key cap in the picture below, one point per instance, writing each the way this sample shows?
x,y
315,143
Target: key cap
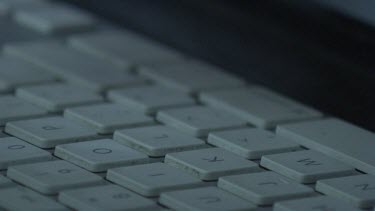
x,y
100,155
157,141
14,152
319,203
152,179
53,18
210,164
74,66
5,182
150,99
336,138
306,166
359,190
14,108
106,118
192,76
260,106
264,188
251,143
107,197
204,199
123,48
50,131
199,120
23,199
53,176
15,72
56,97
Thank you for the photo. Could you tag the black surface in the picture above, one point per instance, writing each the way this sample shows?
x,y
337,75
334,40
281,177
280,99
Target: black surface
x,y
301,50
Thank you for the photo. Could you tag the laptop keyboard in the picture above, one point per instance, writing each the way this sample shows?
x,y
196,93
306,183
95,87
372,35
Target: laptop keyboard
x,y
99,118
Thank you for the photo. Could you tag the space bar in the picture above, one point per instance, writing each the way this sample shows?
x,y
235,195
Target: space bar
x,y
336,138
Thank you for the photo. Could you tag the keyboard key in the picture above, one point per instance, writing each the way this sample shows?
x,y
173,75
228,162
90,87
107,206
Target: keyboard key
x,y
192,76
123,48
320,203
199,120
14,108
52,18
264,188
106,118
107,197
251,143
157,141
260,106
15,72
336,138
56,97
5,182
23,199
50,131
149,99
306,166
14,152
74,66
53,176
204,199
210,164
359,190
100,155
152,179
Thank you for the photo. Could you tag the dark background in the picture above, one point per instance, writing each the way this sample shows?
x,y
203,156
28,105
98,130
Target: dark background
x,y
305,51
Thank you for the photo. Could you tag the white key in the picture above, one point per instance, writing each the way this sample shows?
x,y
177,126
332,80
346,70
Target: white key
x,y
123,48
251,143
336,138
150,99
192,76
107,197
210,164
74,66
152,179
51,18
306,166
199,120
319,203
14,152
50,131
53,176
157,141
15,72
260,106
56,97
14,108
359,190
5,182
106,118
23,199
100,155
264,188
204,199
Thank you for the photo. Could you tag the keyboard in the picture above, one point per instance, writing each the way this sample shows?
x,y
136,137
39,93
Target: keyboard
x,y
97,117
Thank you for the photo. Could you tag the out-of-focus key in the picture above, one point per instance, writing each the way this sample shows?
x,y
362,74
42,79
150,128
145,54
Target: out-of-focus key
x,y
251,143
260,106
149,99
14,108
335,138
56,97
53,176
199,120
306,166
5,182
50,131
204,199
100,155
14,152
106,197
